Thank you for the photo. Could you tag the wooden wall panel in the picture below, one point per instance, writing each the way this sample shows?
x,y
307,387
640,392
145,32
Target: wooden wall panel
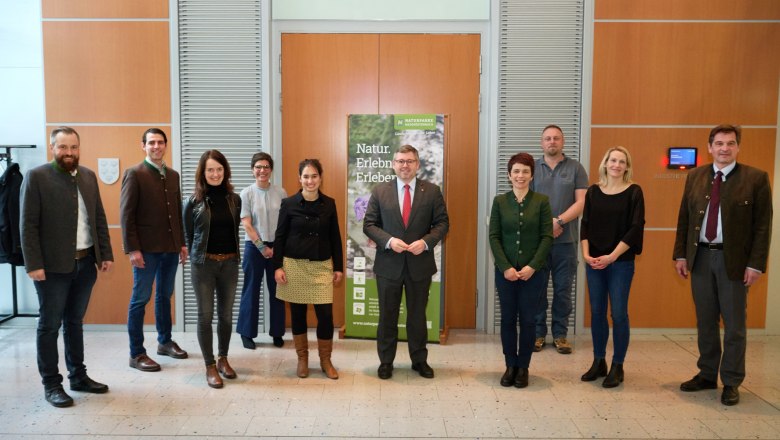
x,y
659,298
662,187
325,78
688,9
663,190
430,79
685,73
105,9
107,71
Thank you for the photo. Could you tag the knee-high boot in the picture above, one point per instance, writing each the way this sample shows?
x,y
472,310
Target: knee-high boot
x,y
302,349
325,347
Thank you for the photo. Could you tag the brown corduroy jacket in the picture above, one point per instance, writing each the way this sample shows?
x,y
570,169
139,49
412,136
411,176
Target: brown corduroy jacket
x,y
151,210
746,216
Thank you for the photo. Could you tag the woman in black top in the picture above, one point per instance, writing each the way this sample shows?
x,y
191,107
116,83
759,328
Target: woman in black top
x,y
211,217
309,260
611,232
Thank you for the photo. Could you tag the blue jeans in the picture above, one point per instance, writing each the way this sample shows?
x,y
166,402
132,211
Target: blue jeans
x,y
255,267
207,278
63,299
562,262
518,298
610,285
160,269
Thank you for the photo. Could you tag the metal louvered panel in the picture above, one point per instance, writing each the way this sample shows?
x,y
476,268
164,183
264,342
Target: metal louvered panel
x,y
540,83
220,58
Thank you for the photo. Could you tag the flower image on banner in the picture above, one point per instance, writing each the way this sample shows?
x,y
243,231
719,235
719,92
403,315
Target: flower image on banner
x,y
373,140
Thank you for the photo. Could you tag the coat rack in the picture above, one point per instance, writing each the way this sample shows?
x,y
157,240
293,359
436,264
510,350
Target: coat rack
x,y
6,157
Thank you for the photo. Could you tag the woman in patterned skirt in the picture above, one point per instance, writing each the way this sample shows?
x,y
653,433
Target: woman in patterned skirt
x,y
309,260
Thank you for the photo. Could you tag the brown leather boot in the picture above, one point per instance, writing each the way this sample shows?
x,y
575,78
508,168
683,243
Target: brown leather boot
x,y
302,349
212,376
224,367
325,347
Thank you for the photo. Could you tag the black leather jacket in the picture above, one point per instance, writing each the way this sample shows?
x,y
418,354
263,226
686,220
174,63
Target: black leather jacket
x,y
197,220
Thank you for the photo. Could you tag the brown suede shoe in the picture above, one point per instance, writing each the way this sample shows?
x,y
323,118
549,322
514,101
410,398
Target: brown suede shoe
x,y
144,363
212,376
171,349
224,367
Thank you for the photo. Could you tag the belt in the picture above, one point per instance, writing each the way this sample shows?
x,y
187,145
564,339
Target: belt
x,y
221,257
85,252
711,246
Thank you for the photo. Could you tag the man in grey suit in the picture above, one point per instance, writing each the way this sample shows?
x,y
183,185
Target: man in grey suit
x,y
406,218
723,233
65,242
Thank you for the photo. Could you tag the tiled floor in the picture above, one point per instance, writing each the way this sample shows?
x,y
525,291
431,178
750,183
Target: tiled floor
x,y
463,401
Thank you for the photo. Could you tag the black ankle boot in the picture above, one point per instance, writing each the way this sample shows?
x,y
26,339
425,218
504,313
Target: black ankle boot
x,y
598,369
615,376
521,380
248,343
508,379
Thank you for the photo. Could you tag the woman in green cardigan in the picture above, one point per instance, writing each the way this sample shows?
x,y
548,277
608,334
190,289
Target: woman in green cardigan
x,y
521,235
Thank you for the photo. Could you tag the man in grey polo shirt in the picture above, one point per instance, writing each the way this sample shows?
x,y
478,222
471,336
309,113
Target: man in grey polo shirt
x,y
565,182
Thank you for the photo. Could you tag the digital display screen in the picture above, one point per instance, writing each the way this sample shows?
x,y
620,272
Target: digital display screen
x,y
682,157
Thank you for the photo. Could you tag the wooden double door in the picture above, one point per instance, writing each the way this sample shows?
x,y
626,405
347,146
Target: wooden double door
x,y
325,77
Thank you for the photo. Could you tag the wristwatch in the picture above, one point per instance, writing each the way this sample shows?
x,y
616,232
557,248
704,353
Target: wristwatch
x,y
560,221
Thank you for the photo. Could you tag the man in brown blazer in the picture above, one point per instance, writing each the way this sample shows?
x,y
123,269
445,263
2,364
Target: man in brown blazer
x,y
723,233
153,237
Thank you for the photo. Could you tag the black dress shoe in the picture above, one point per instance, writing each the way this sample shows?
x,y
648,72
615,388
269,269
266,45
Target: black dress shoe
x,y
598,369
521,380
730,395
385,371
615,376
58,397
508,379
248,343
171,349
278,341
698,383
424,369
88,385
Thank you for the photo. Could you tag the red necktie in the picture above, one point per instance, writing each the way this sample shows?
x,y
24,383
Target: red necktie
x,y
407,209
711,230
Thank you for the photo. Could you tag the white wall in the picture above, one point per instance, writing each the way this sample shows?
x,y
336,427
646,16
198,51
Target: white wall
x,y
369,10
22,118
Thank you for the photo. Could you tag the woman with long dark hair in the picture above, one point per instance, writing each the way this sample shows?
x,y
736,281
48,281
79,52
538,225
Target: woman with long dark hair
x,y
211,217
309,260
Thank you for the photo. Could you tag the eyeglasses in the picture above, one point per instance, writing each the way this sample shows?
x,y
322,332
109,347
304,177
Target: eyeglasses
x,y
262,167
405,162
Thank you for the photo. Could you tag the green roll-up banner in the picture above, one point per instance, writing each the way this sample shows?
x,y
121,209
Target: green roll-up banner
x,y
373,140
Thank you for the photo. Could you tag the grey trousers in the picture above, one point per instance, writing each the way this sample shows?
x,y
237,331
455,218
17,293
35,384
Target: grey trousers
x,y
716,296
